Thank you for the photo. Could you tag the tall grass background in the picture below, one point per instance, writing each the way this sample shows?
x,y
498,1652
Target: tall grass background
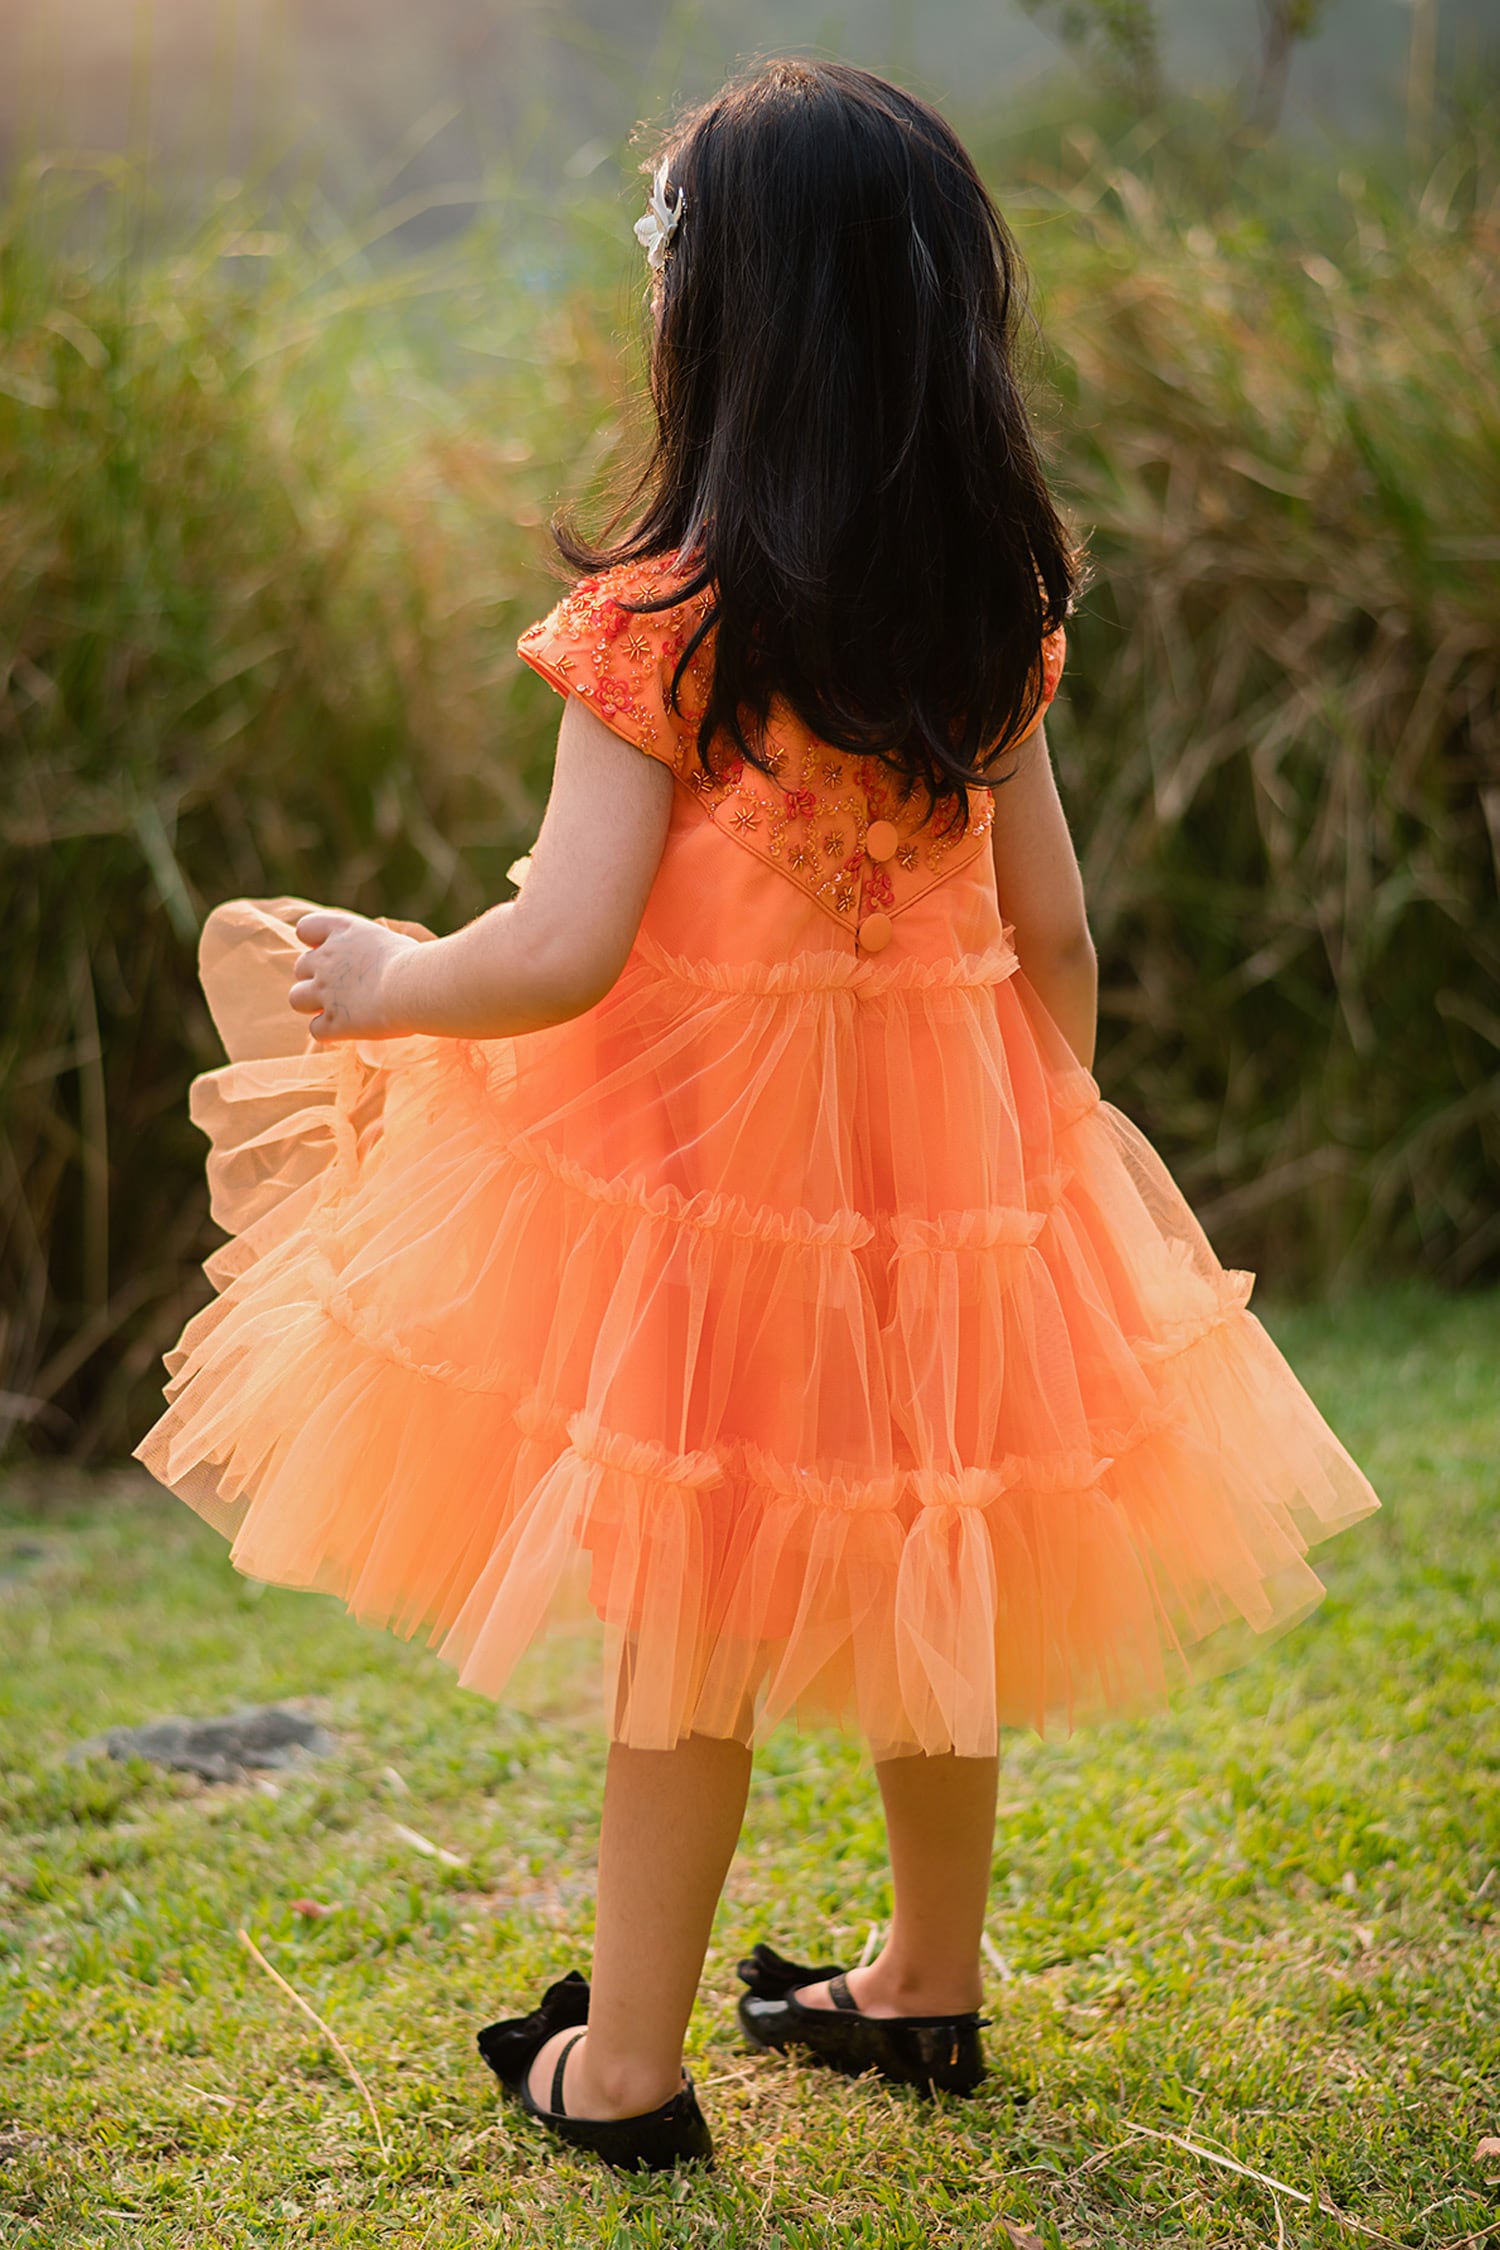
x,y
273,510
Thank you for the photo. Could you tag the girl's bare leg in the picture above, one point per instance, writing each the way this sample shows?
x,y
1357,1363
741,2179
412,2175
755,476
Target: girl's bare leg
x,y
671,1821
940,1821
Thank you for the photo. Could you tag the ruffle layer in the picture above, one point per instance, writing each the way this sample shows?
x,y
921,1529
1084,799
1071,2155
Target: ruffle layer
x,y
938,1420
863,974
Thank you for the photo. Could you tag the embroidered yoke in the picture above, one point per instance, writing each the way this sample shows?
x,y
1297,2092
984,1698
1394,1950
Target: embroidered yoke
x,y
830,822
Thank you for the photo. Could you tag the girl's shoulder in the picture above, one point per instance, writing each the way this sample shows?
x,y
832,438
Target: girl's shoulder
x,y
622,659
606,604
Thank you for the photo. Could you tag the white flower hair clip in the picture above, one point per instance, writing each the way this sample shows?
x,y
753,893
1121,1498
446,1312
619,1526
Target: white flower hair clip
x,y
655,230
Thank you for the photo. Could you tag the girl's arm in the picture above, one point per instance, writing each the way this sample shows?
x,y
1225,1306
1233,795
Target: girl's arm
x,y
537,959
1041,892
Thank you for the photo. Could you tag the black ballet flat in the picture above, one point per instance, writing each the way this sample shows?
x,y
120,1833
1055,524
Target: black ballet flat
x,y
677,2133
656,2141
511,2046
934,2053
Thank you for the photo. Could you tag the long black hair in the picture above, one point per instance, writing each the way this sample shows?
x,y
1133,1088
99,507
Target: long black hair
x,y
842,457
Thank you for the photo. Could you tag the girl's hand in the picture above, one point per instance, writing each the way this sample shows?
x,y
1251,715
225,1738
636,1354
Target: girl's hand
x,y
347,979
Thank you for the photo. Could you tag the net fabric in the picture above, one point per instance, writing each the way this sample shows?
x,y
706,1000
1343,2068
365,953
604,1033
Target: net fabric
x,y
926,1417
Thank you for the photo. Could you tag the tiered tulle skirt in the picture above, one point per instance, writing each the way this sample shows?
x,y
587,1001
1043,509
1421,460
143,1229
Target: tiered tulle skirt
x,y
814,1327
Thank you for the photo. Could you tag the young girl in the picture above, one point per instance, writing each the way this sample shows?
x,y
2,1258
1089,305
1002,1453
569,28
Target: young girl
x,y
727,1233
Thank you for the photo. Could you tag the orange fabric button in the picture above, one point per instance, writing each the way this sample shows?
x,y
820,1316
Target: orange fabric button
x,y
881,839
874,932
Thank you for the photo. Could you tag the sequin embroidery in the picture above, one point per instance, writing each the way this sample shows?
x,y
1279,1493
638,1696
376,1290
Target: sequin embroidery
x,y
811,814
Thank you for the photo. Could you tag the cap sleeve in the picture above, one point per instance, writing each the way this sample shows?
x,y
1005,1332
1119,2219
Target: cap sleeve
x,y
621,663
1054,656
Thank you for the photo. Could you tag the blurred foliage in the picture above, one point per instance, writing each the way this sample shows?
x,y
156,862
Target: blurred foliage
x,y
1120,40
271,517
1281,741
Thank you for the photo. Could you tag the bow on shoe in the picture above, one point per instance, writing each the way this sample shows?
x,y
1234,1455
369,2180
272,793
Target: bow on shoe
x,y
512,2045
771,1976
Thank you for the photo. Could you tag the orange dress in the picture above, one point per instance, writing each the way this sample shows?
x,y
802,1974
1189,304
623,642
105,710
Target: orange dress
x,y
799,1311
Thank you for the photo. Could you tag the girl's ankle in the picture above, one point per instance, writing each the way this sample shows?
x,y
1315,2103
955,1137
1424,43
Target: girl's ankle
x,y
906,1990
602,2085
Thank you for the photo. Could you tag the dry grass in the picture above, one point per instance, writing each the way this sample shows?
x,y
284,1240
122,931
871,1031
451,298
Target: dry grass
x,y
1281,740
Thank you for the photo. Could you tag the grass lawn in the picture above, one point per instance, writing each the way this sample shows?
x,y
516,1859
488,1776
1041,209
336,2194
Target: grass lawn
x,y
1264,1925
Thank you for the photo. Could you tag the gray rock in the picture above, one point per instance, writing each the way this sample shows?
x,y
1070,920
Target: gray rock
x,y
268,1735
